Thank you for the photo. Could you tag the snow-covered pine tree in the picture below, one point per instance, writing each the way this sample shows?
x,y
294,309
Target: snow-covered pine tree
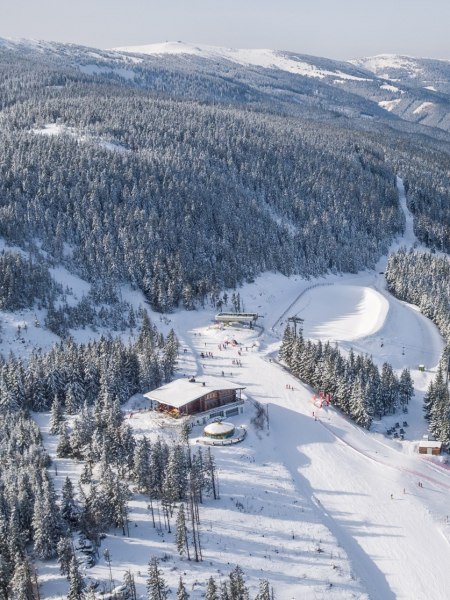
x,y
389,388
77,584
360,408
47,525
157,588
141,465
406,388
56,417
20,585
181,591
209,467
238,589
65,552
211,590
69,510
129,591
224,591
287,345
63,449
429,397
181,535
264,592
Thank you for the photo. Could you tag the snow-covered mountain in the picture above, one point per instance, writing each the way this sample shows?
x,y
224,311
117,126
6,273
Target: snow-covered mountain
x,y
430,74
385,88
161,177
297,64
414,89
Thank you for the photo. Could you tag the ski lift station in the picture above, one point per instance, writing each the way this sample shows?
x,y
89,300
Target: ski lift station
x,y
227,317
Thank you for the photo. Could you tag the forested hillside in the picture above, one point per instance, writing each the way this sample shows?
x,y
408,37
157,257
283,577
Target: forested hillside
x,y
182,198
425,170
109,163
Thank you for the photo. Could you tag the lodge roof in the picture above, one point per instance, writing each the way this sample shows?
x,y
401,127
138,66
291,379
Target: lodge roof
x,y
430,444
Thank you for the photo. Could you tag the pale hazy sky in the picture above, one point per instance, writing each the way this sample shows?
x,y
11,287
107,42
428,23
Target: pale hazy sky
x,y
333,28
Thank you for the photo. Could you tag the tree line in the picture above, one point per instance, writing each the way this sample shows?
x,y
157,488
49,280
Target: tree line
x,y
355,384
75,374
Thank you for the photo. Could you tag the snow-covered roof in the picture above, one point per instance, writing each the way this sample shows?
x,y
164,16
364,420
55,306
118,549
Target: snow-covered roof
x,y
219,428
430,444
180,392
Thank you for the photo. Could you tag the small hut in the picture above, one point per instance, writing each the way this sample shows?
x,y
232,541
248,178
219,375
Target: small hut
x,y
430,447
219,430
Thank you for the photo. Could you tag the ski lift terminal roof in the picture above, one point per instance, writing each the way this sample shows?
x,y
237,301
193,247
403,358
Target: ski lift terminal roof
x,y
180,392
227,317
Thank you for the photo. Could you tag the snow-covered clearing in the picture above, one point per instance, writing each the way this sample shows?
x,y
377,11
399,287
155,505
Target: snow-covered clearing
x,y
390,88
423,107
94,69
304,484
381,64
52,129
389,105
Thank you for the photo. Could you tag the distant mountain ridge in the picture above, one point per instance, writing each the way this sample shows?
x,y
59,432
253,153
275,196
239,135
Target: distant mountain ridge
x,y
421,92
383,87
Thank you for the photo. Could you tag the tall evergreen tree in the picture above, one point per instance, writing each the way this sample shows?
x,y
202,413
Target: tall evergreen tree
x,y
77,584
181,591
211,590
157,588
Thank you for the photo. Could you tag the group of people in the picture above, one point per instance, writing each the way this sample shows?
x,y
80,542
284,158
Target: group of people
x,y
419,483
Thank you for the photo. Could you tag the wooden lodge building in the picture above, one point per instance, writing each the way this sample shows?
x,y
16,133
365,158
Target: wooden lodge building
x,y
193,396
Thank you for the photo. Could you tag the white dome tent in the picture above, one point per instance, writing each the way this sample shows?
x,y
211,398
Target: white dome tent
x,y
222,433
219,430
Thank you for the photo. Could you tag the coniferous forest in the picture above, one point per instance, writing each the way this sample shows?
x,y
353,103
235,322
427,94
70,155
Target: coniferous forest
x,y
423,279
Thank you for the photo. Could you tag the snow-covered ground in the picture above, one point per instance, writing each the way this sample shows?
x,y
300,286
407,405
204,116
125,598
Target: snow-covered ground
x,y
303,485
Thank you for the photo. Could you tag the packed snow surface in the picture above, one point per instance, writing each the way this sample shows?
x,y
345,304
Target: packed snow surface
x,y
380,63
348,312
389,105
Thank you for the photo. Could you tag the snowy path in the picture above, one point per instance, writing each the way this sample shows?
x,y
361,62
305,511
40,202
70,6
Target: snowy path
x,y
392,549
